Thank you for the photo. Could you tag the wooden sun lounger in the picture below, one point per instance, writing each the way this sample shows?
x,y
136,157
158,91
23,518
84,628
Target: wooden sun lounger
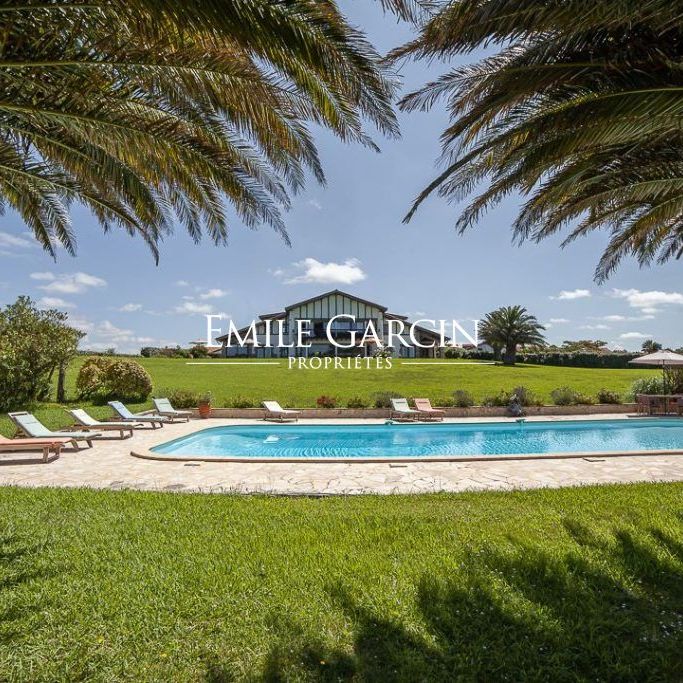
x,y
88,423
276,413
425,408
164,408
400,410
47,446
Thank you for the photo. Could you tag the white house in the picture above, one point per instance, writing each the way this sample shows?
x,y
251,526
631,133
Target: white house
x,y
320,310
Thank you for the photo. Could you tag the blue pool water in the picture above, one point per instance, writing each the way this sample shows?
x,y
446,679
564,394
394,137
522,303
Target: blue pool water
x,y
425,440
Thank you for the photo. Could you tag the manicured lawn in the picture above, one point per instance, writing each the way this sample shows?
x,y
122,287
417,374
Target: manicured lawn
x,y
564,585
300,388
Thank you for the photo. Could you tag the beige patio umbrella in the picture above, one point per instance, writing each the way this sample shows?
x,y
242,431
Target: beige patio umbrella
x,y
661,359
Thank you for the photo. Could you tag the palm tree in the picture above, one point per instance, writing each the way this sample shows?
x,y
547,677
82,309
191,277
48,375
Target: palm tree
x,y
580,111
651,346
147,111
508,327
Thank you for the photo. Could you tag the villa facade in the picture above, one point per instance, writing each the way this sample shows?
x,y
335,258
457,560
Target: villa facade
x,y
319,310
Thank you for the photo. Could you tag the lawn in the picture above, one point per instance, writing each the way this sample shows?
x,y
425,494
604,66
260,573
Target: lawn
x,y
300,388
561,585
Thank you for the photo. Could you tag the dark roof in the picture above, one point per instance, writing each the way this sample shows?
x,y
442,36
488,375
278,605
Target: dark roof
x,y
270,316
336,291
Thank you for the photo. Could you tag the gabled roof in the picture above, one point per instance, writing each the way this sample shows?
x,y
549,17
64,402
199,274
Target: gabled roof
x,y
332,292
271,316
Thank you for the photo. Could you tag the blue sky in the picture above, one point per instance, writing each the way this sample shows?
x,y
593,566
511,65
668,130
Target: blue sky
x,y
347,235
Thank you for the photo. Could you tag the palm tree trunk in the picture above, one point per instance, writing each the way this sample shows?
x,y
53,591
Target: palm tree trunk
x,y
510,354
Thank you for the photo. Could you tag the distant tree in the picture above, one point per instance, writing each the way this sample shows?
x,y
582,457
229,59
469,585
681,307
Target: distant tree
x,y
590,345
651,346
508,327
34,344
199,351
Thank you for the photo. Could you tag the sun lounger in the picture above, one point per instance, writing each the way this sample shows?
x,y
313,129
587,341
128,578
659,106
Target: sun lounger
x,y
88,423
164,407
127,416
400,410
47,446
30,426
275,412
424,406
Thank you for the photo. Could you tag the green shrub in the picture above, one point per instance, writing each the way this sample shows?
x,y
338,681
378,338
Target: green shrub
x,y
326,402
357,402
240,402
525,397
383,398
462,399
584,399
199,351
605,396
445,402
91,378
564,396
180,398
499,400
647,385
126,379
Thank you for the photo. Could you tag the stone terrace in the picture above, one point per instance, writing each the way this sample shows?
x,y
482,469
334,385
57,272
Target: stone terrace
x,y
109,464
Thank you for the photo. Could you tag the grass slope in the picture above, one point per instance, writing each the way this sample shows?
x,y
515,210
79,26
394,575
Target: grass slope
x,y
563,585
300,388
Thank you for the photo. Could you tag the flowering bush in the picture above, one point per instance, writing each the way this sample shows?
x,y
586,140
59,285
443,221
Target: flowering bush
x,y
106,378
326,402
126,379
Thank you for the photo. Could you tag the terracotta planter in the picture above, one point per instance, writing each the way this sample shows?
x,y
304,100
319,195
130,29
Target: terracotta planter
x,y
204,410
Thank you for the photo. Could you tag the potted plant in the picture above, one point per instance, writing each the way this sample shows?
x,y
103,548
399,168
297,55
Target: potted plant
x,y
204,405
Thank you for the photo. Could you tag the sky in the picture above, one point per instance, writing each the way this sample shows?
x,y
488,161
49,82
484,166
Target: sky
x,y
346,235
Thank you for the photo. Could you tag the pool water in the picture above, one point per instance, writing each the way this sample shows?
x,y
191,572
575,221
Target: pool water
x,y
428,440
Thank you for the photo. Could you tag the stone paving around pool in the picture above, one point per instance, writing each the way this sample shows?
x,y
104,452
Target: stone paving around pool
x,y
109,464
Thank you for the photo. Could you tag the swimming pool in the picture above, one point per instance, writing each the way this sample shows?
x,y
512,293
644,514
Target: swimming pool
x,y
425,441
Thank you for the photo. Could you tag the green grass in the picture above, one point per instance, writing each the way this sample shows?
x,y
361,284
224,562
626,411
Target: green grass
x,y
300,388
561,585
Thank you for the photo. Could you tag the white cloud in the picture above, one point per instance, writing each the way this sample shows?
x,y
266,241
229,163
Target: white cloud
x,y
54,302
70,283
559,321
315,204
81,324
648,301
213,294
42,276
110,331
570,295
346,273
635,335
182,283
599,326
130,308
622,318
10,241
193,308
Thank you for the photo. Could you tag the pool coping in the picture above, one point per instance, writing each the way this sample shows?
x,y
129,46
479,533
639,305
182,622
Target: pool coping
x,y
148,454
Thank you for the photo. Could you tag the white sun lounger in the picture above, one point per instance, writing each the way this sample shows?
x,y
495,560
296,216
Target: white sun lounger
x,y
88,422
275,412
31,426
164,407
400,410
127,416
